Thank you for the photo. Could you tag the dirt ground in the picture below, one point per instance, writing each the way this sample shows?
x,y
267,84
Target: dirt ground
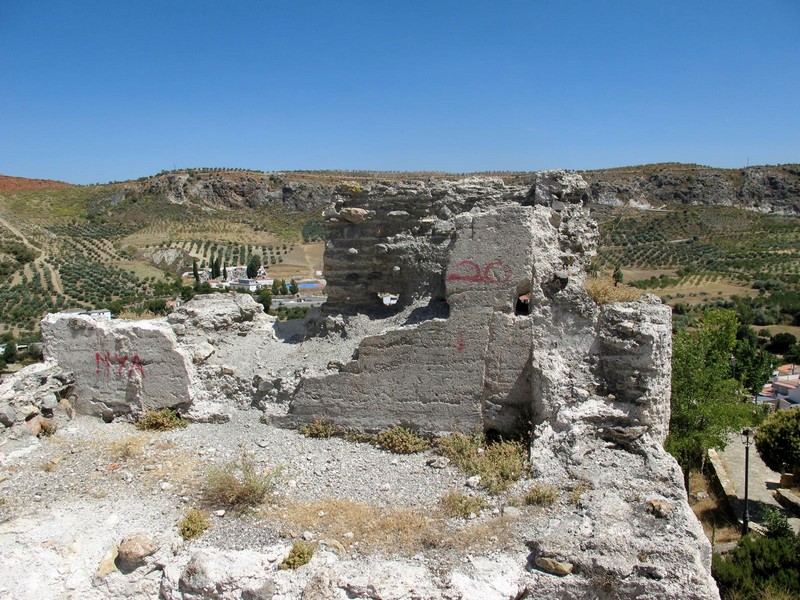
x,y
710,510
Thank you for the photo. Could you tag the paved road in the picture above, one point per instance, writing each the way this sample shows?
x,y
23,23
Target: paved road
x,y
762,480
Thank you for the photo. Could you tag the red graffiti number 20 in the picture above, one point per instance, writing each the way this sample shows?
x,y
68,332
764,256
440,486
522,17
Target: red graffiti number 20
x,y
494,272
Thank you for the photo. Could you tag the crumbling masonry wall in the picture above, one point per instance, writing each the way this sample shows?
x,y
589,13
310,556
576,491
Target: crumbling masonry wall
x,y
121,367
523,341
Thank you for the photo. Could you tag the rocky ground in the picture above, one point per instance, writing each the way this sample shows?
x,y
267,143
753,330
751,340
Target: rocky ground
x,y
70,499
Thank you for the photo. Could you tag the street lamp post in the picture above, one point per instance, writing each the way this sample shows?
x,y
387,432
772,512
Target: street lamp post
x,y
747,440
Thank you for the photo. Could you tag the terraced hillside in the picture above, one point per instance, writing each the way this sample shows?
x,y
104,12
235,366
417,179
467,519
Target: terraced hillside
x,y
707,256
64,246
124,244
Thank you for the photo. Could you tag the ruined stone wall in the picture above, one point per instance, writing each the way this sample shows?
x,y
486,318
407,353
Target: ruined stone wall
x,y
462,372
521,340
120,367
394,238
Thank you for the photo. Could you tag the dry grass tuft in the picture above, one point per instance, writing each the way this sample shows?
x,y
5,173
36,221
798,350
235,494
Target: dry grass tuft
x,y
239,486
541,494
127,448
47,427
603,291
494,533
193,524
499,464
459,504
160,420
579,490
402,530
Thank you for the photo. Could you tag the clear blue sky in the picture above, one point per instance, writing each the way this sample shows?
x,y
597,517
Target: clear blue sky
x,y
107,90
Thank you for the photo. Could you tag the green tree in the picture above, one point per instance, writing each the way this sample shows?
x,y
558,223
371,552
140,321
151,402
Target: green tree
x,y
276,287
195,272
752,366
10,351
778,441
707,403
225,273
792,355
293,288
253,264
265,298
781,342
187,293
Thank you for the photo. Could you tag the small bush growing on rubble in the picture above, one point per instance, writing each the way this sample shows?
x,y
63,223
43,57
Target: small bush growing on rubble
x,y
603,291
499,464
47,427
238,486
459,504
299,555
160,420
319,428
541,494
401,441
194,523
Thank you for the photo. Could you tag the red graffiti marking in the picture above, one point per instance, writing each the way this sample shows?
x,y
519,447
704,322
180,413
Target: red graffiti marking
x,y
494,272
104,363
474,273
460,345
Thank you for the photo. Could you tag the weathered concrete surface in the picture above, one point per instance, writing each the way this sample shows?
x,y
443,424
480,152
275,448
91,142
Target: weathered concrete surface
x,y
121,367
434,375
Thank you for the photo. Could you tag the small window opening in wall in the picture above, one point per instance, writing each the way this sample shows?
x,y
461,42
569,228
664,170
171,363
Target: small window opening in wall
x,y
389,299
523,306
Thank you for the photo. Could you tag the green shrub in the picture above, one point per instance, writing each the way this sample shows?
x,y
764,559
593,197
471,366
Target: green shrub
x,y
541,495
458,504
159,420
238,486
193,524
761,568
401,441
778,440
300,554
499,464
318,428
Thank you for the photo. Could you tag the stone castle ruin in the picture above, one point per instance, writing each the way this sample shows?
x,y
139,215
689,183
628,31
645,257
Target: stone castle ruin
x,y
493,329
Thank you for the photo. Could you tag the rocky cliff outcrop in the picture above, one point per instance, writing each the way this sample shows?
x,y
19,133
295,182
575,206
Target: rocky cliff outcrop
x,y
765,189
762,188
228,190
